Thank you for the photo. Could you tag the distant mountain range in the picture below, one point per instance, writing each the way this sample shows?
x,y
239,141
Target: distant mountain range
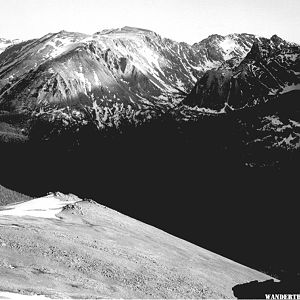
x,y
129,66
270,69
135,74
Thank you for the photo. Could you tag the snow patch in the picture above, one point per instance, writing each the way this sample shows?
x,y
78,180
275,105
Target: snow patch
x,y
294,123
291,142
44,207
275,121
228,45
96,79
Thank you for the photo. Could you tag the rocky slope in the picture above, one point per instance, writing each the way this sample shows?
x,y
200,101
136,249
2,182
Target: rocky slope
x,y
90,251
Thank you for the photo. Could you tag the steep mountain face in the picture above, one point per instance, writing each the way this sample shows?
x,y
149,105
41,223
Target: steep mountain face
x,y
5,43
217,48
270,69
127,67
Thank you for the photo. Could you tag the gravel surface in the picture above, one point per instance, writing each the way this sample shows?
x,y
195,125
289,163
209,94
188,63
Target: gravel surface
x,y
91,251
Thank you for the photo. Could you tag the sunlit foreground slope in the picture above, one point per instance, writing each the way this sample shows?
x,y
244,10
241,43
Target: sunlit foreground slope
x,y
61,246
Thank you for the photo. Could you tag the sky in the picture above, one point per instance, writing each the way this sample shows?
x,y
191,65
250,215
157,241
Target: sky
x,y
181,20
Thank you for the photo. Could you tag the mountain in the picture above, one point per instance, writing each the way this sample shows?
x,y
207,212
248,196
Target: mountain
x,y
5,43
217,48
69,82
260,95
126,67
60,246
270,69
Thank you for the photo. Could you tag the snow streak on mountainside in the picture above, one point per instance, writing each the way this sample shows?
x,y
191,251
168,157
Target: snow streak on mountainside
x,y
128,67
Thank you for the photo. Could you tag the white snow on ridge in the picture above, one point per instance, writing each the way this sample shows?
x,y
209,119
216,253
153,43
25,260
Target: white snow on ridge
x,y
44,207
59,46
286,89
14,296
228,45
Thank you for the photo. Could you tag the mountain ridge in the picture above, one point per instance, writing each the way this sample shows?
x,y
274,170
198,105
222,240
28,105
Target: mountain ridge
x,y
270,68
53,78
142,67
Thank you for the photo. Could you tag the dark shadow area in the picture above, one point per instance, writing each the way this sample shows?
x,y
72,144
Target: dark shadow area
x,y
265,289
188,179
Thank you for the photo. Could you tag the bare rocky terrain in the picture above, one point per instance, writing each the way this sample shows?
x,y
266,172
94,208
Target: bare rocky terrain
x,y
87,250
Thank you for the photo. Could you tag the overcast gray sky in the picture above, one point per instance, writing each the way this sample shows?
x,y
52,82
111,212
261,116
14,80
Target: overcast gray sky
x,y
181,20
